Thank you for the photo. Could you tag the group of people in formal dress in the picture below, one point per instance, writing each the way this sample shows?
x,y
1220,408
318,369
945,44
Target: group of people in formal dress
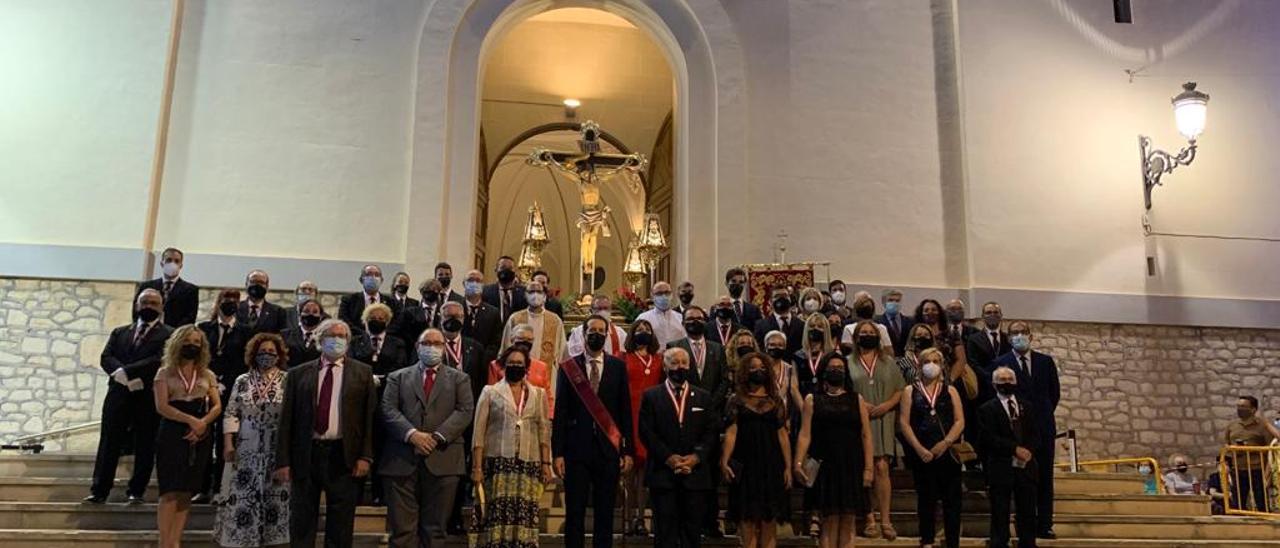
x,y
482,399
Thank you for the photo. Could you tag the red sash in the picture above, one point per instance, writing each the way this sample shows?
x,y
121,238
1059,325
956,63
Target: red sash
x,y
582,386
618,351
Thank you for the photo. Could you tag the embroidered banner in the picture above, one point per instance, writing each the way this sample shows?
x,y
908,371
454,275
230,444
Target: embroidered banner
x,y
762,278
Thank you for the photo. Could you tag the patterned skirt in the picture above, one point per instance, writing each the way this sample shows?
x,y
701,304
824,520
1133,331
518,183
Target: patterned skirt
x,y
513,489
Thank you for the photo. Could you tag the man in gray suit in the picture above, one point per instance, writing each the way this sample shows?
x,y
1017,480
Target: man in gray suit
x,y
425,409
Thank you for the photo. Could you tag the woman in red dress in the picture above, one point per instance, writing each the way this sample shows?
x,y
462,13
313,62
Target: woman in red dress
x,y
644,369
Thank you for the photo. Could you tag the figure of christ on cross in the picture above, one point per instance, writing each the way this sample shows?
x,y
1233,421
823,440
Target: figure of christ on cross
x,y
589,168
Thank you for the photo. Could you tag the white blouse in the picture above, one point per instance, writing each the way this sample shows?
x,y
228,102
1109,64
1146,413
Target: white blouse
x,y
501,432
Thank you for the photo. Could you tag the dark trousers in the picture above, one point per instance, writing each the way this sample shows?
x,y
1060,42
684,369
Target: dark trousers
x,y
1246,482
464,488
678,516
417,506
599,478
1023,491
939,480
711,512
126,413
1043,462
329,474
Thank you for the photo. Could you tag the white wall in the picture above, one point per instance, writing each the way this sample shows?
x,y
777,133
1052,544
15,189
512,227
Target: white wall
x,y
78,106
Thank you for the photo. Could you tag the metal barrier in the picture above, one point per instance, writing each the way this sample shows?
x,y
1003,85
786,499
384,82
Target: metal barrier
x,y
1249,479
1087,465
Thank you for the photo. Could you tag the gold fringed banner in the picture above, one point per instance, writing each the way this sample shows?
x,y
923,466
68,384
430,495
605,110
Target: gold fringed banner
x,y
762,278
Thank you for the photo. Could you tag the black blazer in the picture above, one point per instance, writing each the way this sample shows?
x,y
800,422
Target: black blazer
x,y
794,331
180,306
750,314
713,331
292,319
518,302
978,350
715,373
297,417
411,322
663,436
352,307
229,362
398,305
1041,391
271,319
455,297
1000,438
553,304
473,363
390,358
898,338
574,434
298,352
139,362
483,324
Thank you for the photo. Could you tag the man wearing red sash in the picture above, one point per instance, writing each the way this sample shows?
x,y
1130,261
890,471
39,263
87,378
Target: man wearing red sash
x,y
591,435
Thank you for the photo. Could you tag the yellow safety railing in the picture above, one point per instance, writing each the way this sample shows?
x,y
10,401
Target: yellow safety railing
x,y
1250,478
1099,465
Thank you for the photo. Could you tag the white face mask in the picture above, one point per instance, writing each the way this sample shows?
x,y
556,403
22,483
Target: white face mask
x,y
171,269
811,305
536,299
837,297
931,370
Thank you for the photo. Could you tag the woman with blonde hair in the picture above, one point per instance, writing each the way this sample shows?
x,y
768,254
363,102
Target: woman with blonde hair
x,y
187,400
810,301
741,343
879,381
817,343
255,509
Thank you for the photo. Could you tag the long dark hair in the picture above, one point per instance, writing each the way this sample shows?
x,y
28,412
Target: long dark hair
x,y
943,324
630,345
233,294
742,387
822,370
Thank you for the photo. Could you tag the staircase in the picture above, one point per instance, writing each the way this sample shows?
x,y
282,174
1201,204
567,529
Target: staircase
x,y
39,507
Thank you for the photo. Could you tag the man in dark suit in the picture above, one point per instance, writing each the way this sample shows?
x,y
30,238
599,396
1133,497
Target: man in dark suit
x,y
1009,433
227,340
553,303
373,344
592,449
444,275
985,345
722,324
1038,386
482,321
181,298
466,355
679,427
898,324
684,293
745,312
411,322
352,305
304,345
426,409
130,360
400,299
306,291
326,438
959,329
255,312
507,295
709,371
781,319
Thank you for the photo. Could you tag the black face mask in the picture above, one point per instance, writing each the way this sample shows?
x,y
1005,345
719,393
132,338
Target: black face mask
x,y
377,327
816,335
735,290
257,291
430,296
992,320
864,312
868,342
834,377
506,276
677,375
228,308
452,325
310,321
923,342
758,377
444,281
836,330
595,341
148,315
515,373
643,338
401,289
189,351
777,353
695,328
744,350
1006,388
781,305
686,298
724,313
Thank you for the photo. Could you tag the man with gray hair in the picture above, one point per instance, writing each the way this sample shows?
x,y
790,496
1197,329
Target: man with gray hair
x,y
326,437
1007,425
897,323
678,427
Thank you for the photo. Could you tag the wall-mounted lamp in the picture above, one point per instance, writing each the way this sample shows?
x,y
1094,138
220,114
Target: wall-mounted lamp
x,y
571,108
1189,109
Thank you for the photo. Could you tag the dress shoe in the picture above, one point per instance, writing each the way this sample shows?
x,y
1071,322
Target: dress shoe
x,y
1047,534
94,499
135,500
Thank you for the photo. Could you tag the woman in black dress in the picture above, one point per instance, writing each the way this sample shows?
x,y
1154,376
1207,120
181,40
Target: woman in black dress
x,y
834,427
187,400
756,453
931,419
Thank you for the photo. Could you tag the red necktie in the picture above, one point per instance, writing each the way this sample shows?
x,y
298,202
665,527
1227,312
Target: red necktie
x,y
322,406
429,382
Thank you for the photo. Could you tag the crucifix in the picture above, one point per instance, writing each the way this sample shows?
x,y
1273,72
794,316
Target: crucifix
x,y
589,168
780,252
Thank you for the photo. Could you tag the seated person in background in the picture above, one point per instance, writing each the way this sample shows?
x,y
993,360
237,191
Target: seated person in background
x,y
1213,485
1179,481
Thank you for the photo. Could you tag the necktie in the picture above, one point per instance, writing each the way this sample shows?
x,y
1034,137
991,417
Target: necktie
x,y
1014,413
995,342
430,317
453,351
429,382
471,316
1026,368
307,340
222,336
593,375
168,286
506,302
896,330
737,309
140,334
253,314
373,299
377,347
697,356
322,404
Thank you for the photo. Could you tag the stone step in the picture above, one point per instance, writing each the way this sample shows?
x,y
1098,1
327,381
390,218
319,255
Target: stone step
x,y
10,538
32,489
